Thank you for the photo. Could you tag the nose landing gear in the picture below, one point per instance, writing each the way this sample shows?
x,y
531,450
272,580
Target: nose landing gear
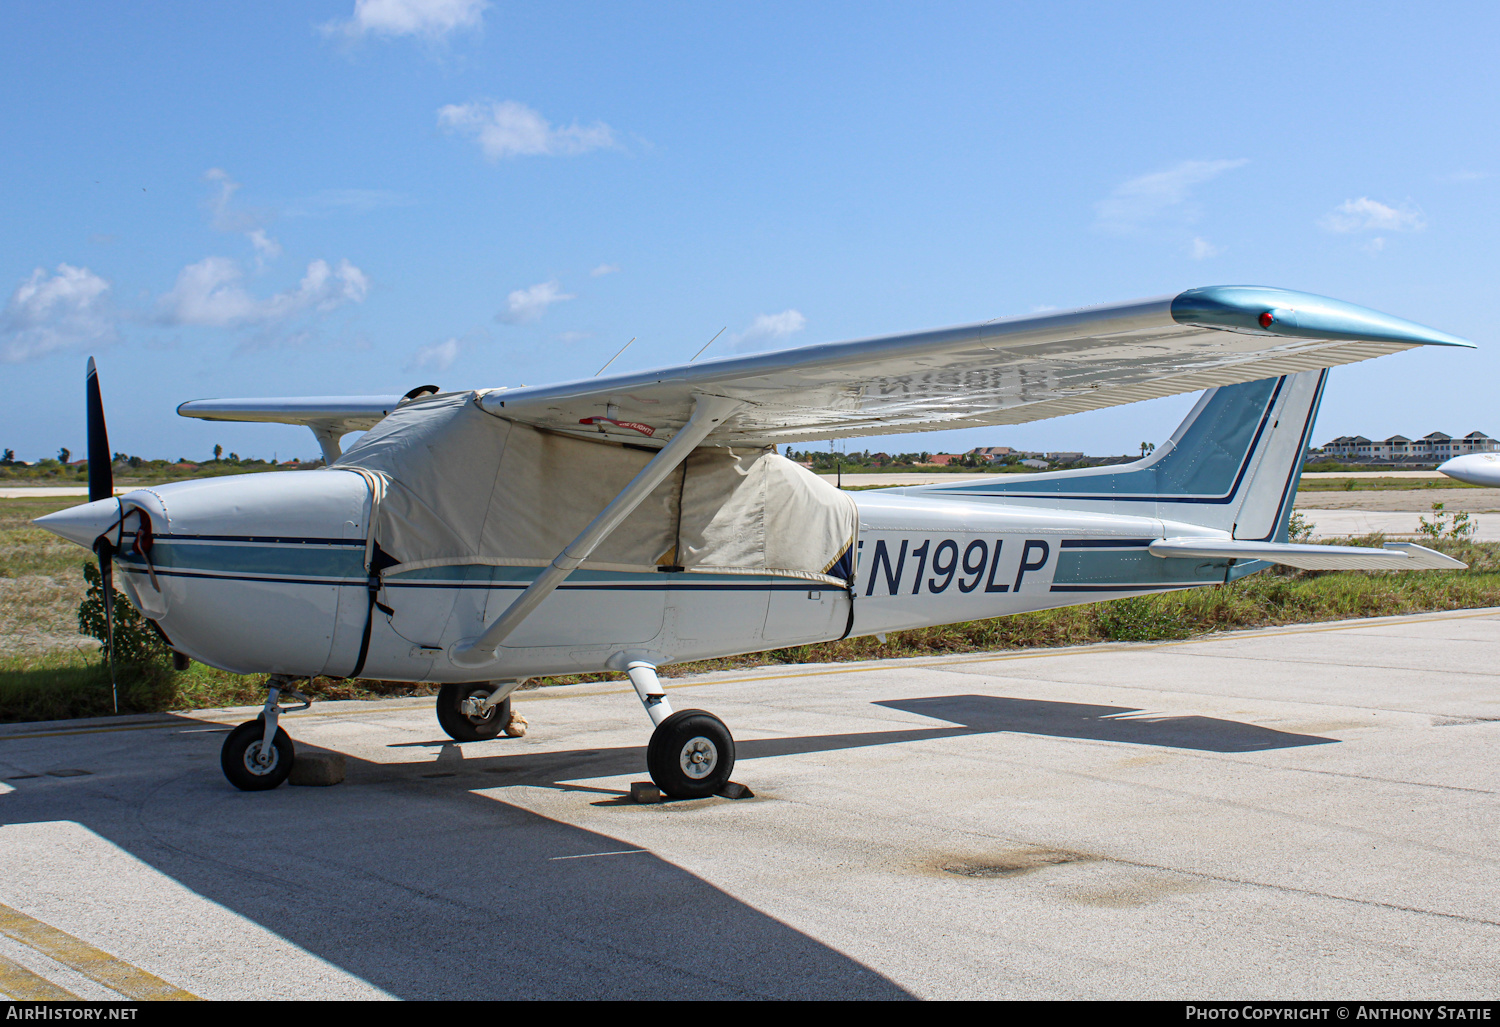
x,y
258,755
250,764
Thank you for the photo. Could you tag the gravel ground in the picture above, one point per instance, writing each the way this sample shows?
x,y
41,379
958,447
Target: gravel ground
x,y
1467,500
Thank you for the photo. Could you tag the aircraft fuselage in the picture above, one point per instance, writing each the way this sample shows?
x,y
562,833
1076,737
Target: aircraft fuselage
x,y
266,574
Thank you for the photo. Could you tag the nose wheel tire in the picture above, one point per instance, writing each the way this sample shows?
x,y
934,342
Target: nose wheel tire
x,y
241,761
691,755
462,727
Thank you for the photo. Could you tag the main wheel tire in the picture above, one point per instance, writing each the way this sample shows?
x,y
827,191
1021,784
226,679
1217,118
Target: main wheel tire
x,y
691,755
240,752
459,725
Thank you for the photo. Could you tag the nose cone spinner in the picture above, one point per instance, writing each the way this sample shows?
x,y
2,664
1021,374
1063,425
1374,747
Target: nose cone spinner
x,y
83,524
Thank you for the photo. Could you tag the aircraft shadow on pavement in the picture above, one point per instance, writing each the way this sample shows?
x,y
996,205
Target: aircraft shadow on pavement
x,y
990,713
421,887
407,879
971,715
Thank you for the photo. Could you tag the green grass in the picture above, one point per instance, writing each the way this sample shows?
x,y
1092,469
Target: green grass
x,y
62,685
1380,484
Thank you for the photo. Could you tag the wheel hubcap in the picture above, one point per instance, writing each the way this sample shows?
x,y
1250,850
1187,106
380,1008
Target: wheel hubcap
x,y
699,758
487,716
252,759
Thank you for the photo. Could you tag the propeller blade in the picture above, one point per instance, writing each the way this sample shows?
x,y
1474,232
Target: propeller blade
x,y
106,552
101,475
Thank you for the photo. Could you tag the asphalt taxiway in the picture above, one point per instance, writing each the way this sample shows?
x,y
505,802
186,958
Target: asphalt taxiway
x,y
1293,813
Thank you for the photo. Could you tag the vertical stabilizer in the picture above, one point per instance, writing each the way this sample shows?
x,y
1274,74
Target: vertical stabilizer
x,y
1232,465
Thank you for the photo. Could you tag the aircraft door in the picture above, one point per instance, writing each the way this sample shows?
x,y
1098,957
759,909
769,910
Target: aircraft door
x,y
807,612
714,614
590,608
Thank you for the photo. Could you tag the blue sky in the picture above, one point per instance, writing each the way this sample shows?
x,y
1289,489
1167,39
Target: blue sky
x,y
341,197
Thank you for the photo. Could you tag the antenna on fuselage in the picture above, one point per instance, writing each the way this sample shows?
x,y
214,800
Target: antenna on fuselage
x,y
707,344
612,359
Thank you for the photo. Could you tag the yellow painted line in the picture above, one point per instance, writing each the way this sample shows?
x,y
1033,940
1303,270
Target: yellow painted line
x,y
95,964
21,984
86,731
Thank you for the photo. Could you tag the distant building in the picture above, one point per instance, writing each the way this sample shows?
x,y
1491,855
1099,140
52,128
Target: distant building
x,y
1040,465
944,459
1431,448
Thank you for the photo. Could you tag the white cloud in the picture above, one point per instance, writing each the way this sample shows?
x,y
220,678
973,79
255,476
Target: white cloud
x,y
526,305
437,356
209,293
266,248
1464,175
1202,249
50,312
225,217
1134,203
506,128
767,330
1367,214
432,19
604,269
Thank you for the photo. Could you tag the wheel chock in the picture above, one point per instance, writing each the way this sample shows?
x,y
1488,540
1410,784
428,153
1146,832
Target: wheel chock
x,y
644,792
317,768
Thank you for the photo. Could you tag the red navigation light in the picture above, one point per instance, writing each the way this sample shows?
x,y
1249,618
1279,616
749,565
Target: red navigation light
x,y
1267,319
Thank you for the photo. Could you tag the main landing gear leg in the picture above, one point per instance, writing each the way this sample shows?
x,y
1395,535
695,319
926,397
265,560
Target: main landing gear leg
x,y
479,710
691,754
258,754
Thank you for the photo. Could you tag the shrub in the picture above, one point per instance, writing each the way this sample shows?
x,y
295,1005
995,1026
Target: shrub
x,y
1139,619
137,642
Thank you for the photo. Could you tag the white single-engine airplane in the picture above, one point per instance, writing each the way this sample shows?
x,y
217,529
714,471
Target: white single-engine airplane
x,y
1474,468
479,538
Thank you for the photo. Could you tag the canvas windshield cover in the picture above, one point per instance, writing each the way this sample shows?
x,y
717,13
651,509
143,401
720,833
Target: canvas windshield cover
x,y
463,486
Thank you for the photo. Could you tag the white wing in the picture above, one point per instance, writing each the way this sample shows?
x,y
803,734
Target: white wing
x,y
1004,371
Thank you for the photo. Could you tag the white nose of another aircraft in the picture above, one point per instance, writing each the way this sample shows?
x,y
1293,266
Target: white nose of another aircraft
x,y
1475,468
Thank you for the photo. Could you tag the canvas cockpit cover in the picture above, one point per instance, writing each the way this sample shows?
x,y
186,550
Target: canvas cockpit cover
x,y
462,486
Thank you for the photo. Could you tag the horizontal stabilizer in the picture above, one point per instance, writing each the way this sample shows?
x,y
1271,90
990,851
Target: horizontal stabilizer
x,y
1395,556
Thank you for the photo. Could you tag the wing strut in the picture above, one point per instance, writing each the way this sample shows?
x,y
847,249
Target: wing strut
x,y
708,413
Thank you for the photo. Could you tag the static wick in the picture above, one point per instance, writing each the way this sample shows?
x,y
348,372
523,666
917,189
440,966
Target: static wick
x,y
707,344
612,359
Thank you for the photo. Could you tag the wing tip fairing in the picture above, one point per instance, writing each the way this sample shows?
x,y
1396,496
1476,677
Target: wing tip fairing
x,y
1264,310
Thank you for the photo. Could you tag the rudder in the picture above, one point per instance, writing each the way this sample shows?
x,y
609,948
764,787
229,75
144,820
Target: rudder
x,y
1232,465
